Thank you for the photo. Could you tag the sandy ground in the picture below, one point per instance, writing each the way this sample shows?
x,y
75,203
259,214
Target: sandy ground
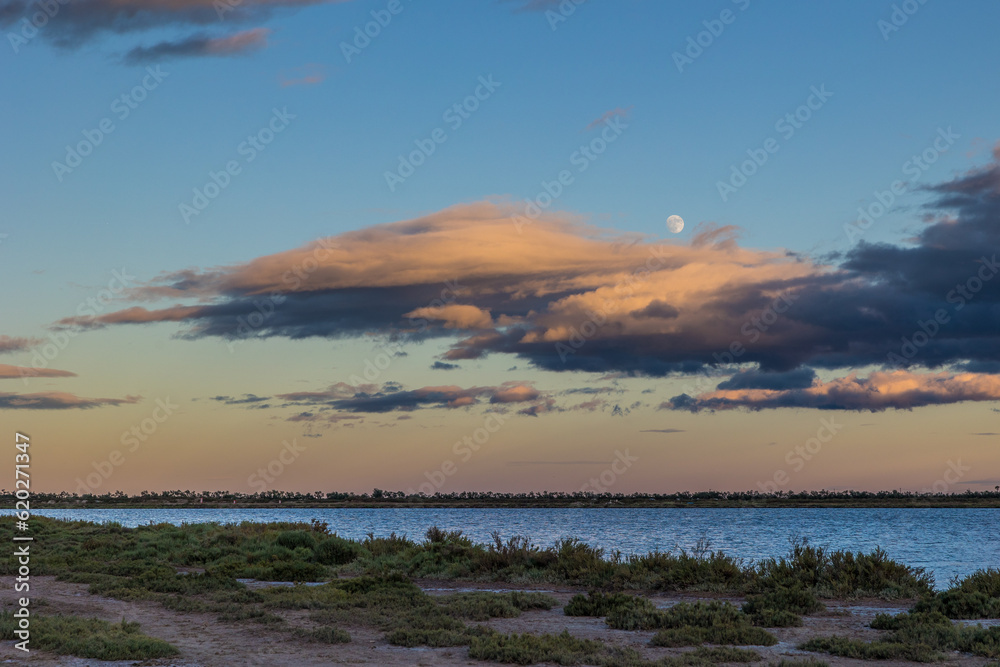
x,y
205,642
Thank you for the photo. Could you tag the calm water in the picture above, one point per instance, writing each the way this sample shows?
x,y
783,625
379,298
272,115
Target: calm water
x,y
947,542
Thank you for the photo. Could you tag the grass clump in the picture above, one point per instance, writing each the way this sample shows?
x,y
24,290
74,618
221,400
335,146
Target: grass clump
x,y
602,604
482,606
876,650
800,662
781,607
976,596
89,638
327,635
690,624
703,656
526,649
935,630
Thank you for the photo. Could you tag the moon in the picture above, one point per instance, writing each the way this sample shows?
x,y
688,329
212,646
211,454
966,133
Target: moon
x,y
675,223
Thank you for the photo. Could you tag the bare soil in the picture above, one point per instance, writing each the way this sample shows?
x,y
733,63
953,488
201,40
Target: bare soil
x,y
205,642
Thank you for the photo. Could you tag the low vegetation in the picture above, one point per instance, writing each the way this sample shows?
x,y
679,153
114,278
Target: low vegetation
x,y
923,633
369,583
88,638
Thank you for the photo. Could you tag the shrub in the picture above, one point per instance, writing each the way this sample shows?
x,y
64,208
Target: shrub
x,y
293,539
525,649
877,650
336,550
89,638
601,604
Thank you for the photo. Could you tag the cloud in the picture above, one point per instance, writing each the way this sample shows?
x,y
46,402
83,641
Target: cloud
x,y
455,316
389,398
899,390
10,344
797,379
309,75
56,400
617,112
81,21
442,366
986,434
7,372
566,296
251,401
663,430
239,43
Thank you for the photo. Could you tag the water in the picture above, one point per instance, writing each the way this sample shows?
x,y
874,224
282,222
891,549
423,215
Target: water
x,y
947,542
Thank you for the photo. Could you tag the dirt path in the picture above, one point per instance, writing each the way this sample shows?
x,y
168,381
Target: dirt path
x,y
205,642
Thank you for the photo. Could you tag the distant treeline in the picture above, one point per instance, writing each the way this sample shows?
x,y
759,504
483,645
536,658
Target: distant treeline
x,y
383,498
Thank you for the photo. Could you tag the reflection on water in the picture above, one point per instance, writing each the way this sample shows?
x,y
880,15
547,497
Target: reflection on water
x,y
947,542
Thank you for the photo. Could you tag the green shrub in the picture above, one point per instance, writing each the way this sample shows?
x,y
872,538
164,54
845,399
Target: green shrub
x,y
876,650
336,550
601,604
293,539
737,634
88,638
561,649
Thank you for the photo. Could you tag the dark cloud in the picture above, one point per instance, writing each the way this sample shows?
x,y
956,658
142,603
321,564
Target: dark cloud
x,y
660,309
663,430
442,366
77,22
389,398
55,400
797,379
200,45
566,297
248,400
10,344
898,390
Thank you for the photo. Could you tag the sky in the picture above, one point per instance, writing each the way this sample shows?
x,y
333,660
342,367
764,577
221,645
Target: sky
x,y
319,245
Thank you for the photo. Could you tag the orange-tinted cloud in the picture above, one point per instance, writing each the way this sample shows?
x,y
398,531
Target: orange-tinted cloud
x,y
7,372
570,297
57,400
899,390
